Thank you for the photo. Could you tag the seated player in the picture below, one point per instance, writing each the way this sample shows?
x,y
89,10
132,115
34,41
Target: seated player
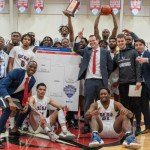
x,y
108,119
37,118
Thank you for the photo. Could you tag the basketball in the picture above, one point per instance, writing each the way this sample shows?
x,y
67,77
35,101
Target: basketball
x,y
106,9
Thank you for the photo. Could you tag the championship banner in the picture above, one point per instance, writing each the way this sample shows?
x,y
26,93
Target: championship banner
x,y
115,5
78,8
58,68
135,6
38,6
2,5
22,5
95,6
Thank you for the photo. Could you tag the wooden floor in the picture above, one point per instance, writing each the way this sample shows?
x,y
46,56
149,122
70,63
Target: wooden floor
x,y
144,139
42,142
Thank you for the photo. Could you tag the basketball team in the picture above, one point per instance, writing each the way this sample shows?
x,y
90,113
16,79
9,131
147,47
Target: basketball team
x,y
110,66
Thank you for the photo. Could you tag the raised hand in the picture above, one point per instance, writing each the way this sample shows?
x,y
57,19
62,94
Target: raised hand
x,y
80,34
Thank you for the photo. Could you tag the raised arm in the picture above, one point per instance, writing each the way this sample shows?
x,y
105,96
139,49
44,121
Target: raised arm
x,y
134,36
76,47
71,35
96,30
114,31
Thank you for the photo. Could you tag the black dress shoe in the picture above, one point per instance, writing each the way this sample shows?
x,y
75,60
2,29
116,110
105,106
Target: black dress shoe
x,y
73,123
76,124
86,129
1,146
17,133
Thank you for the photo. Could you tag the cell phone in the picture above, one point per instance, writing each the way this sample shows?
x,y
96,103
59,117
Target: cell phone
x,y
4,103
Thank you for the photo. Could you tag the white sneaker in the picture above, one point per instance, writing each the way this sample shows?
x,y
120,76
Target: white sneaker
x,y
130,142
53,137
96,141
67,135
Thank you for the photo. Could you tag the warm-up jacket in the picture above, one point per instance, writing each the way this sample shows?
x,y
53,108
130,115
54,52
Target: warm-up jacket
x,y
129,68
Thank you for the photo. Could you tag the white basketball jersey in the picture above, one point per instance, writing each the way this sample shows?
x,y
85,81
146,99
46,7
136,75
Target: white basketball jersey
x,y
41,104
108,115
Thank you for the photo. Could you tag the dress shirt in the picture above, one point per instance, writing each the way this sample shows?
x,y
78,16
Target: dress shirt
x,y
89,73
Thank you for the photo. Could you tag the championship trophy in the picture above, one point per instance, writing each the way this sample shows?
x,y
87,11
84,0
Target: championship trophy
x,y
72,7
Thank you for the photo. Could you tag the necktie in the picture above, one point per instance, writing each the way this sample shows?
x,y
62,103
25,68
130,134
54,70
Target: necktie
x,y
94,62
25,96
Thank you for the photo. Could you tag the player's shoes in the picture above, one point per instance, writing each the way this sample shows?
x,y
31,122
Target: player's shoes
x,y
130,142
53,137
67,135
96,140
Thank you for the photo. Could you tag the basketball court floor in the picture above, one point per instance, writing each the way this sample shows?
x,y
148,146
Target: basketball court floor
x,y
28,141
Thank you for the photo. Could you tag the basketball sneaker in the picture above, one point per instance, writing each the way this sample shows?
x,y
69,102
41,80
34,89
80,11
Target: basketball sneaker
x,y
96,140
130,142
53,137
67,135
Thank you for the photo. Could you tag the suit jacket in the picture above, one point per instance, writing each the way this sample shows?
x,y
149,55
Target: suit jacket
x,y
12,81
106,64
146,69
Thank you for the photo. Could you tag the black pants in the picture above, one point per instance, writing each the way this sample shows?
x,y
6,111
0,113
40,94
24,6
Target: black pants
x,y
144,103
131,103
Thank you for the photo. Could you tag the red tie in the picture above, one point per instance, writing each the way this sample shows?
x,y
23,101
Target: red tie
x,y
25,96
94,62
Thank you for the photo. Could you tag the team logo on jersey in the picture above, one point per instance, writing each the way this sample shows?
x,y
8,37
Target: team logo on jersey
x,y
70,90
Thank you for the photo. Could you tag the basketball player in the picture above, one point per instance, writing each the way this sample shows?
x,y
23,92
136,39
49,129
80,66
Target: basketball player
x,y
108,119
37,118
19,57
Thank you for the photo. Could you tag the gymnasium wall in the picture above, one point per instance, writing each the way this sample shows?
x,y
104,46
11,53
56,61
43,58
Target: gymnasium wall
x,y
48,22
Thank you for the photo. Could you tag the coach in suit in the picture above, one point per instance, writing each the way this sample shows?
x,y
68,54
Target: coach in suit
x,y
144,60
12,86
95,68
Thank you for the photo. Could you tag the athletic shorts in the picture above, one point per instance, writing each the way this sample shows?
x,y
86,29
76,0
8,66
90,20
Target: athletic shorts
x,y
108,131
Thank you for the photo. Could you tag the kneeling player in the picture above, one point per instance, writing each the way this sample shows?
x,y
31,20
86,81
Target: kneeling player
x,y
108,119
37,119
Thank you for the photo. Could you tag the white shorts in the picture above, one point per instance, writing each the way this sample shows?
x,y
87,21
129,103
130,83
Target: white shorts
x,y
39,129
108,131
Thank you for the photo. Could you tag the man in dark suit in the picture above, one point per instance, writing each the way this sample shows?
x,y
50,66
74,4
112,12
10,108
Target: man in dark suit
x,y
144,60
95,68
15,86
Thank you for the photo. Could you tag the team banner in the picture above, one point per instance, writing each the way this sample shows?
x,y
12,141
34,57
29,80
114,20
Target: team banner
x,y
135,6
95,6
22,5
2,5
39,6
115,5
78,8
